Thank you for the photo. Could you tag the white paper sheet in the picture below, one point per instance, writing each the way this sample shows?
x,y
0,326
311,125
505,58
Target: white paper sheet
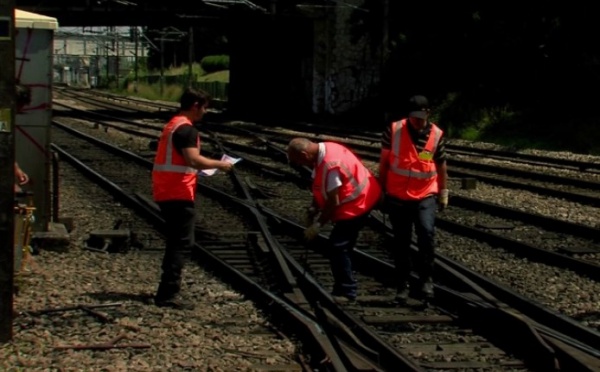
x,y
213,171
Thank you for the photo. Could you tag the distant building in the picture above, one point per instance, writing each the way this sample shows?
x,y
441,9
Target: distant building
x,y
86,56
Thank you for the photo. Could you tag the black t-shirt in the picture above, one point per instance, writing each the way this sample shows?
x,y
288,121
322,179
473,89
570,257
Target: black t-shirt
x,y
185,136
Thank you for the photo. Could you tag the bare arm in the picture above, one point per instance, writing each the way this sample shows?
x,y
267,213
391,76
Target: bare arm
x,y
333,200
195,160
21,177
442,175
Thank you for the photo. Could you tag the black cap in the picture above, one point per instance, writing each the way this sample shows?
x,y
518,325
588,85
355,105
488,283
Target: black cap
x,y
418,107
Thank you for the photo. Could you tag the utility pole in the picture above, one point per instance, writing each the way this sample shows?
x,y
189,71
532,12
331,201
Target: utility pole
x,y
97,71
117,57
162,66
84,42
164,34
135,60
7,160
107,64
190,55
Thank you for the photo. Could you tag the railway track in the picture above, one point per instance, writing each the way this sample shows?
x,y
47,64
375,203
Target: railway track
x,y
234,256
359,136
261,171
373,138
253,145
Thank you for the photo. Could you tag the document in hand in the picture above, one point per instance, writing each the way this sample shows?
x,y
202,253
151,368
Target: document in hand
x,y
213,171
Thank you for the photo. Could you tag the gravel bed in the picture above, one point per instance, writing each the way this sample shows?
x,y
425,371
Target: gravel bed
x,y
553,154
522,232
566,173
563,291
225,332
566,292
531,202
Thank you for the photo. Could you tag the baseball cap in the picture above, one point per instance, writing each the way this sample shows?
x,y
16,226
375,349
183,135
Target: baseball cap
x,y
418,107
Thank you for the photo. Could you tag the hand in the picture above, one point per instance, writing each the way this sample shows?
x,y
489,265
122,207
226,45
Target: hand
x,y
312,232
225,166
443,199
21,177
309,217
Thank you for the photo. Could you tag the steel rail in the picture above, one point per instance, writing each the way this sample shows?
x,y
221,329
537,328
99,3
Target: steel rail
x,y
557,225
321,347
359,134
540,320
279,219
299,295
333,355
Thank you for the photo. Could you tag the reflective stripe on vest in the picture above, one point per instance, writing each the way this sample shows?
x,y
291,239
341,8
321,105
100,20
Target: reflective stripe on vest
x,y
397,136
168,165
359,190
353,181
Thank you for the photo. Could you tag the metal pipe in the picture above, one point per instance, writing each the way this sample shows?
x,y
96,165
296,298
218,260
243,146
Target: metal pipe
x,y
55,186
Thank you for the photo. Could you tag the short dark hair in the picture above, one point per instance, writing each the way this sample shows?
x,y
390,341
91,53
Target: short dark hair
x,y
23,95
191,96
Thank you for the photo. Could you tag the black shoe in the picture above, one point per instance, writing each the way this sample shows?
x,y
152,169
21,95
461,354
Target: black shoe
x,y
402,294
339,296
344,299
427,290
176,302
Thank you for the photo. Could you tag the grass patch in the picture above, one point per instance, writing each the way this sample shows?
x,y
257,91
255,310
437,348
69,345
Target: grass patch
x,y
181,70
220,76
171,93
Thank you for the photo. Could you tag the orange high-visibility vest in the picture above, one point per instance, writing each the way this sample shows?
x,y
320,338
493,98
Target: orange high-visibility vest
x,y
359,191
172,178
411,175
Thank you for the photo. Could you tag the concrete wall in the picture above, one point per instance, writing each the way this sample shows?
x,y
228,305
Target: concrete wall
x,y
346,71
314,62
271,66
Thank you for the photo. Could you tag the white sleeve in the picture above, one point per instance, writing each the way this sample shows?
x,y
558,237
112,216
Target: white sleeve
x,y
333,180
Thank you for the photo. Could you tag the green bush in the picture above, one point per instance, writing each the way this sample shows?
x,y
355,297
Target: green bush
x,y
215,63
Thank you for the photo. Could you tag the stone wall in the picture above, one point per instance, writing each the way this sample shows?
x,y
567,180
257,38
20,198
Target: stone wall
x,y
346,72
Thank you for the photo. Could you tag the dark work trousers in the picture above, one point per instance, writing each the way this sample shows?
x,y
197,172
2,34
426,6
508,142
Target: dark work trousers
x,y
341,244
403,216
180,217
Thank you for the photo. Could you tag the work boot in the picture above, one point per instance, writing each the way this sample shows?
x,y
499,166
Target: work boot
x,y
344,299
402,293
342,296
427,290
174,302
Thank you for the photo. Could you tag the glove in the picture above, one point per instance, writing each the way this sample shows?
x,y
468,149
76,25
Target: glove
x,y
311,232
443,199
309,217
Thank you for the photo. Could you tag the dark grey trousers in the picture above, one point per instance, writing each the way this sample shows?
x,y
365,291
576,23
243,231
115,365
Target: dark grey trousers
x,y
180,219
